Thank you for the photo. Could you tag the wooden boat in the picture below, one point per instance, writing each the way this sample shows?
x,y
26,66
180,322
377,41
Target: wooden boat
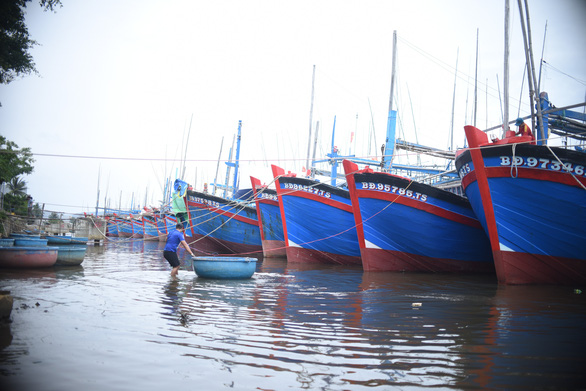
x,y
222,226
28,257
225,268
405,225
531,202
269,220
70,255
150,228
318,221
112,226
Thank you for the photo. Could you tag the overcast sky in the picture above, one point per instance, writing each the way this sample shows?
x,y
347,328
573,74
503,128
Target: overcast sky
x,y
122,82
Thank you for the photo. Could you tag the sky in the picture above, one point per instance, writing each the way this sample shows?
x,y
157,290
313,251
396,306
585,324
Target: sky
x,y
126,88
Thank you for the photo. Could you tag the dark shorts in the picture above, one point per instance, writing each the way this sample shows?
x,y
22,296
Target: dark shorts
x,y
171,257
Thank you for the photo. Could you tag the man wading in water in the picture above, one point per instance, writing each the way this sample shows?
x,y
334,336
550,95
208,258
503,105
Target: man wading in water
x,y
170,253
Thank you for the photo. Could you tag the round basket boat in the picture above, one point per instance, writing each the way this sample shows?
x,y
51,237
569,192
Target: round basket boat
x,y
30,242
226,268
70,255
61,240
28,257
6,242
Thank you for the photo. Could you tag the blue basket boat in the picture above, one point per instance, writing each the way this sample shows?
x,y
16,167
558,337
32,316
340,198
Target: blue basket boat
x,y
30,242
70,255
64,240
226,268
6,242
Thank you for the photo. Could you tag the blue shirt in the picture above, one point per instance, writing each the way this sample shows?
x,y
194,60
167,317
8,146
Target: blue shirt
x,y
173,240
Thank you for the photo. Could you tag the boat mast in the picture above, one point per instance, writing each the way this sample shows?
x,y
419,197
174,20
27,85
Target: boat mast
x,y
229,164
310,119
506,72
476,82
237,160
454,102
218,166
314,148
533,94
98,196
392,118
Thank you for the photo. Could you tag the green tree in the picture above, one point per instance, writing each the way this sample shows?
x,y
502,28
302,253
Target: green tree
x,y
54,218
15,42
17,186
37,212
14,162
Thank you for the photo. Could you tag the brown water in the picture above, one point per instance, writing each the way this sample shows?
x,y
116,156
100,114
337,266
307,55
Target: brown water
x,y
119,322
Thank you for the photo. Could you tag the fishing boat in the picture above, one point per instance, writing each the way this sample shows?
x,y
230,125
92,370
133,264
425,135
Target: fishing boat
x,y
125,227
226,224
222,226
112,226
137,228
404,225
531,200
318,221
269,219
28,256
529,196
150,228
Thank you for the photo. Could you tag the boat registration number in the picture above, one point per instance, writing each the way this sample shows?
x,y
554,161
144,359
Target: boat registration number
x,y
543,163
199,200
402,191
308,189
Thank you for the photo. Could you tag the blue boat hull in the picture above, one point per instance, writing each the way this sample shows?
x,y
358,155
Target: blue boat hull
x,y
409,226
220,226
269,220
318,221
531,208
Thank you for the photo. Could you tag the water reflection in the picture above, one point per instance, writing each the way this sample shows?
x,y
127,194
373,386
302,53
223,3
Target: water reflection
x,y
290,326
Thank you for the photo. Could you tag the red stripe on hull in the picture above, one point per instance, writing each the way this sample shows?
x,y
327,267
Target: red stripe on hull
x,y
397,261
304,255
274,248
150,237
524,268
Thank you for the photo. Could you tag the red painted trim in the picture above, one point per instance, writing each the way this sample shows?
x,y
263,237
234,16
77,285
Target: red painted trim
x,y
436,210
222,212
268,202
532,173
475,138
350,168
278,171
317,198
255,185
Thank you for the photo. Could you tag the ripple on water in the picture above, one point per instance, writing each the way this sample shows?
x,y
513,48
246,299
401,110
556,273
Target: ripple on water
x,y
120,322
